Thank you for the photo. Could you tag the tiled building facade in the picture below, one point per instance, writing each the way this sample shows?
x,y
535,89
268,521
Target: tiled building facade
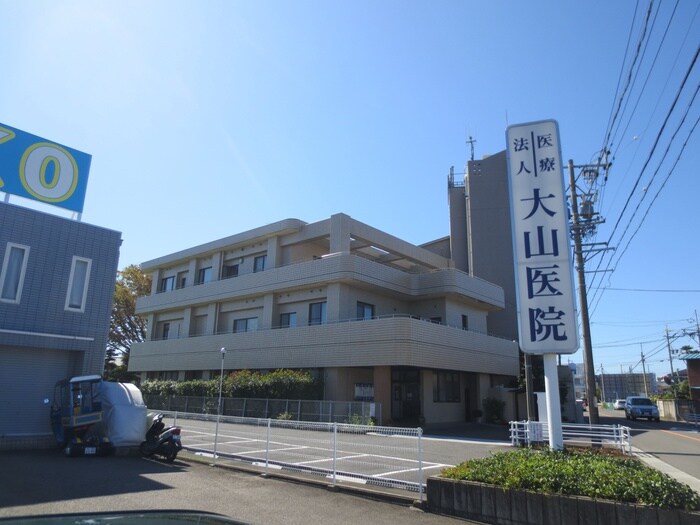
x,y
354,304
56,288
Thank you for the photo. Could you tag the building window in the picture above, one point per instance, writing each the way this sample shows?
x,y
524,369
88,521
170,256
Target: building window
x,y
288,320
181,280
165,331
465,322
365,311
229,270
14,266
317,313
245,325
259,263
78,284
204,275
199,325
167,284
446,387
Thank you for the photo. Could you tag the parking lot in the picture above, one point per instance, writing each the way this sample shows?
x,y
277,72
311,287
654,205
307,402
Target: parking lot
x,y
382,456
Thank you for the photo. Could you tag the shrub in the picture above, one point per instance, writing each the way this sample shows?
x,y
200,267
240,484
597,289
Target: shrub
x,y
581,473
493,410
280,384
359,419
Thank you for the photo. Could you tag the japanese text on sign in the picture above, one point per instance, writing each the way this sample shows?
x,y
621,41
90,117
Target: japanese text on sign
x,y
546,303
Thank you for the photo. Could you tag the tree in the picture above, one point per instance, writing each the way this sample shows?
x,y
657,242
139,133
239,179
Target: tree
x,y
126,327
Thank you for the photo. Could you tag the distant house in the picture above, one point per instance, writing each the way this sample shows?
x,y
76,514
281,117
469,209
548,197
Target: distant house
x,y
692,360
56,288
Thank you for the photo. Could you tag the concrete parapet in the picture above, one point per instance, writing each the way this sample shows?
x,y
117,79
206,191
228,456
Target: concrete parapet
x,y
498,506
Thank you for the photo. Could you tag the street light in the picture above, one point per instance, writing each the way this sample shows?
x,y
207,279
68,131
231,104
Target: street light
x,y
218,410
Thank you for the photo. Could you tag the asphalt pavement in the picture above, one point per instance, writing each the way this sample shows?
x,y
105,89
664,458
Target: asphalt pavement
x,y
45,482
37,483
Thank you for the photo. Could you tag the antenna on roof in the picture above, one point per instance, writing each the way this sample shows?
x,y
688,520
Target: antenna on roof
x,y
471,143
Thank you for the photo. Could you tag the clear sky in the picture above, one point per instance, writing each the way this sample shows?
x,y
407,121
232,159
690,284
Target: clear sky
x,y
209,118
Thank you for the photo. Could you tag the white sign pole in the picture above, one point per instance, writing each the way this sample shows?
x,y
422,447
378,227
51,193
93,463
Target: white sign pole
x,y
551,386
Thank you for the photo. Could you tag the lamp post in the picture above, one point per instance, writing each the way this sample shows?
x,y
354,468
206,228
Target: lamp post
x,y
218,410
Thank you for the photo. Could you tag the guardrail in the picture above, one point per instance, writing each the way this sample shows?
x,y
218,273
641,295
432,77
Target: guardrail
x,y
535,432
365,454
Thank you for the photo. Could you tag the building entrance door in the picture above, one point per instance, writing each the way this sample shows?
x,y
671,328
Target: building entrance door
x,y
405,398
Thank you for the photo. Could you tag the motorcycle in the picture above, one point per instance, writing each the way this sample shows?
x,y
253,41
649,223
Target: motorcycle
x,y
161,441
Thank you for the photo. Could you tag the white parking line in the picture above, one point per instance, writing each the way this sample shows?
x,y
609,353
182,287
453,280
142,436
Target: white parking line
x,y
381,475
325,460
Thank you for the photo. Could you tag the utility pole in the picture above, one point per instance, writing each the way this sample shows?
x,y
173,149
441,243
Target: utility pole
x,y
644,377
583,303
602,384
670,360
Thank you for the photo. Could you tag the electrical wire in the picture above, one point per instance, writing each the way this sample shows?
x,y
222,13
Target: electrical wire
x,y
621,99
646,80
644,43
634,234
597,293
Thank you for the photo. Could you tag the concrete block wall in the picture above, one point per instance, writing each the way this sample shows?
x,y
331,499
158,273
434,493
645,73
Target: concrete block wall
x,y
499,506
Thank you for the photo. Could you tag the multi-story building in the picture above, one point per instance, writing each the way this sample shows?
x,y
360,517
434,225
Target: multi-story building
x,y
56,288
619,386
481,234
366,311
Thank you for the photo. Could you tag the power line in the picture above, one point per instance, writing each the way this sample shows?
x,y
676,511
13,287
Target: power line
x,y
597,293
651,290
630,74
634,234
646,80
657,139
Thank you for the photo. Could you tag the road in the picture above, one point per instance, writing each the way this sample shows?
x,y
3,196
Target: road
x,y
674,443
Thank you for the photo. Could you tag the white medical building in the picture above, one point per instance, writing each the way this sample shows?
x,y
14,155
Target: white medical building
x,y
374,316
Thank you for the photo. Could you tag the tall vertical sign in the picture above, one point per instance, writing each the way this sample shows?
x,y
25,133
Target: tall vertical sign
x,y
41,170
545,287
544,273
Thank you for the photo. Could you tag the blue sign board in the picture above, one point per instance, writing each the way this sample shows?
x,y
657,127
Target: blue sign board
x,y
41,170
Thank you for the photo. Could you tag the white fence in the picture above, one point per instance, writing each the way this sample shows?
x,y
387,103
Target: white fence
x,y
365,454
534,432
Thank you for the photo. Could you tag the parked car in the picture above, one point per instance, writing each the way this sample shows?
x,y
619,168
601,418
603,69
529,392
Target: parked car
x,y
639,406
619,404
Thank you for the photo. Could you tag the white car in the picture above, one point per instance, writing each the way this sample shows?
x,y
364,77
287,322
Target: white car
x,y
619,404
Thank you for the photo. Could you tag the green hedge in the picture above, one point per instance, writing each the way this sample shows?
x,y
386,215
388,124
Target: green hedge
x,y
280,384
581,473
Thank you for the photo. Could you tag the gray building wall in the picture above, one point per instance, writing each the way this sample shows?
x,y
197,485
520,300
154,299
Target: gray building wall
x,y
619,386
41,341
480,230
459,238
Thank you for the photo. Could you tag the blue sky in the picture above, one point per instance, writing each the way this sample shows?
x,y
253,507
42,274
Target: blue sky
x,y
208,118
